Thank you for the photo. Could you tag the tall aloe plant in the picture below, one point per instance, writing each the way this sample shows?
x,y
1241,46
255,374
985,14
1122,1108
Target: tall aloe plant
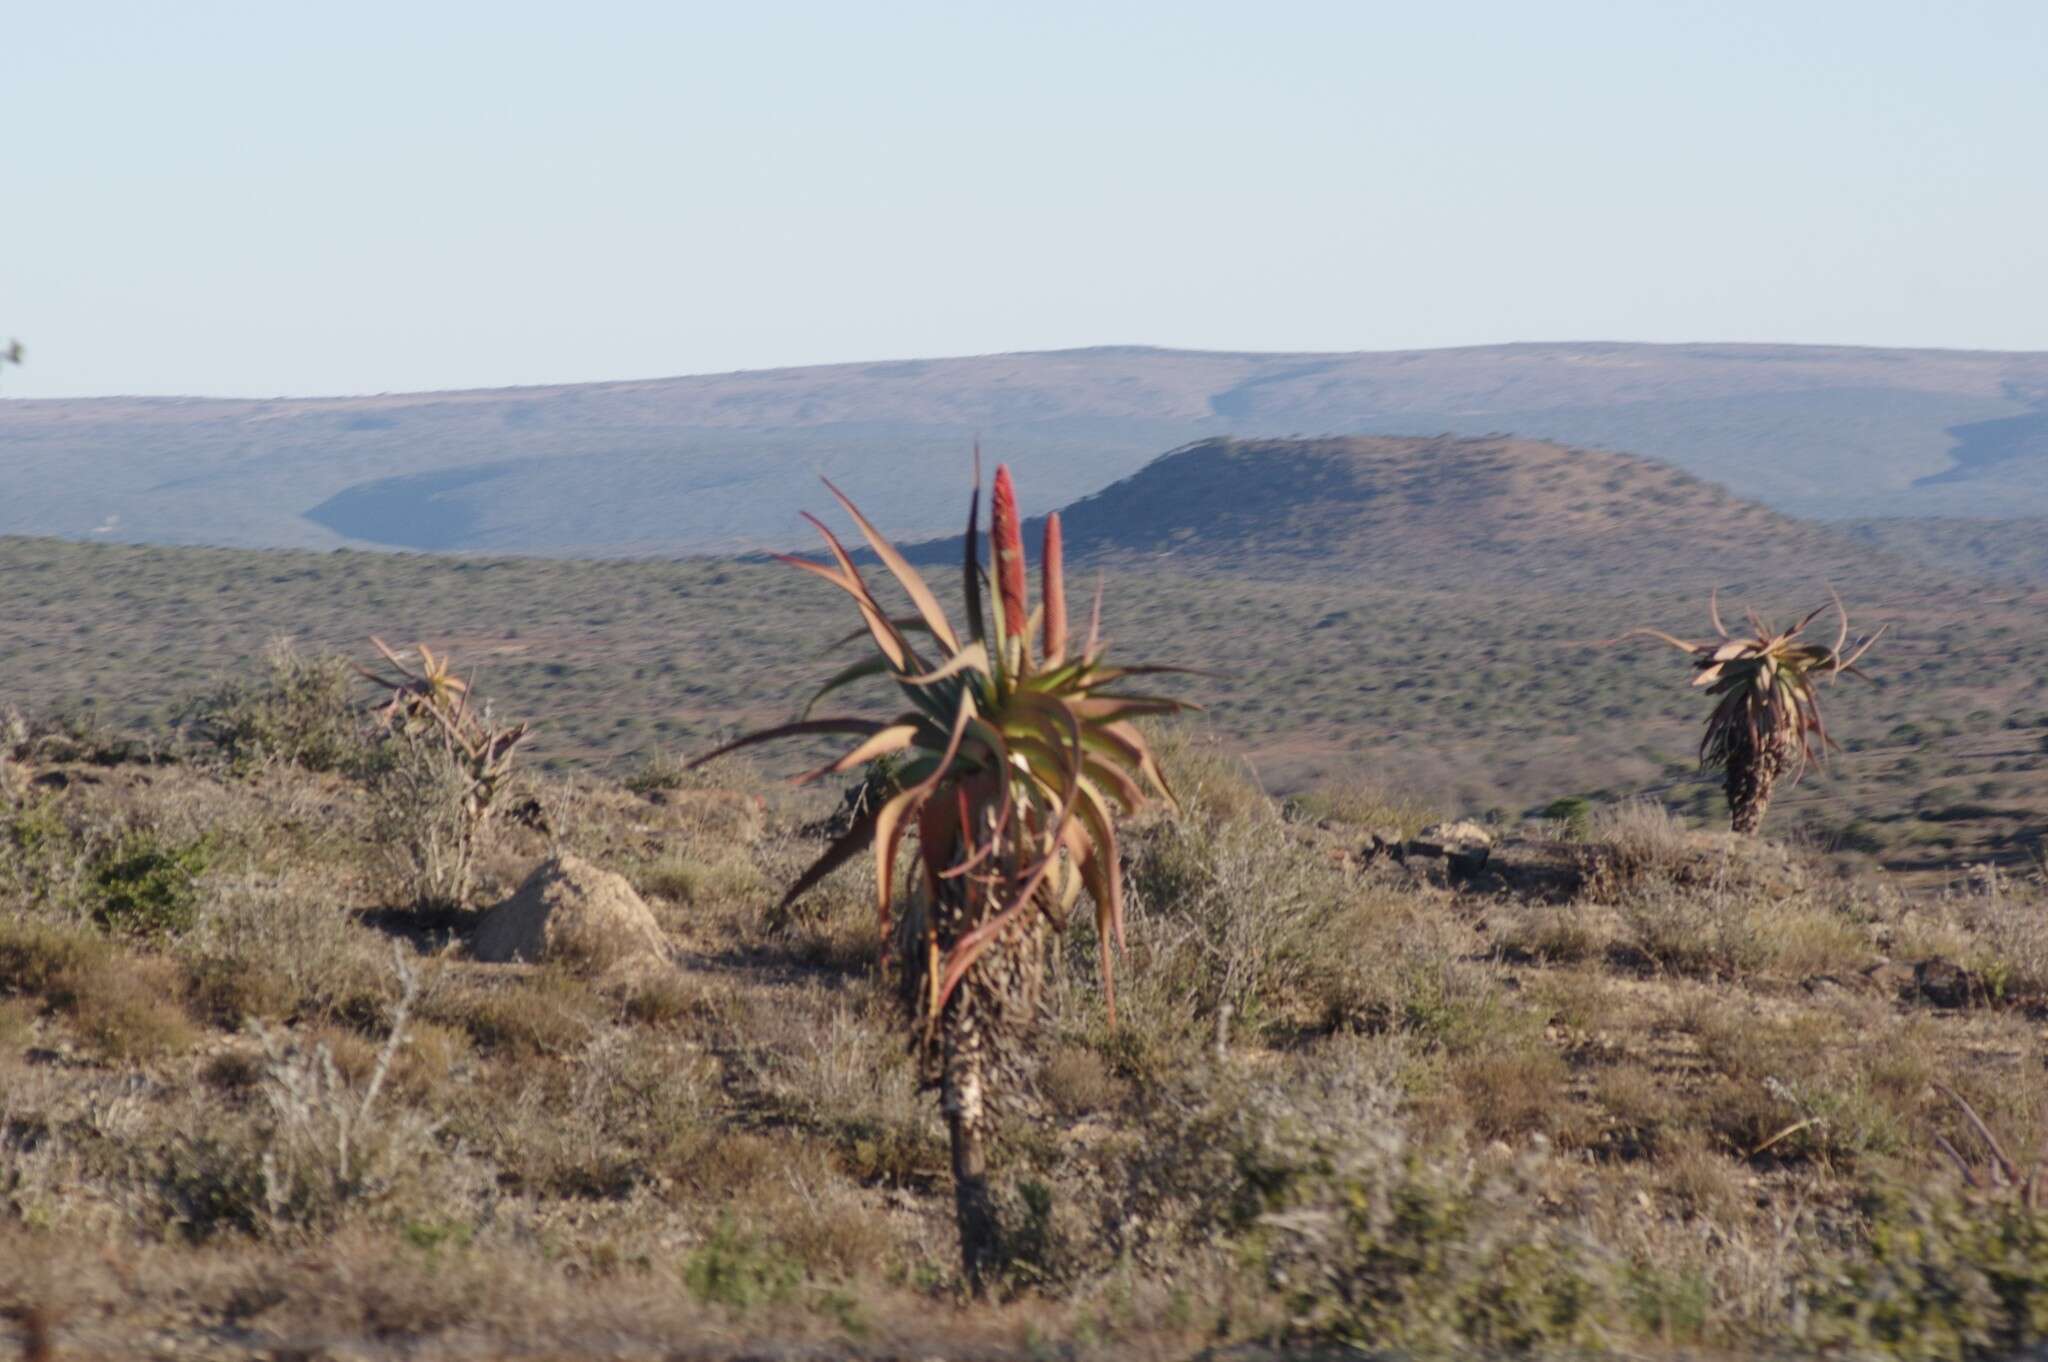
x,y
1015,758
1768,722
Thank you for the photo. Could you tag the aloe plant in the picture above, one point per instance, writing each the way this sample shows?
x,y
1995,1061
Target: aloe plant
x,y
1768,723
1014,760
430,712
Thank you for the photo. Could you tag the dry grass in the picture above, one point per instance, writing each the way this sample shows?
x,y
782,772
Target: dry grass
x,y
1647,1119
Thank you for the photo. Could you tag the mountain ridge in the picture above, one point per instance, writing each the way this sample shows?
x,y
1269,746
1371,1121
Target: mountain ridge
x,y
700,463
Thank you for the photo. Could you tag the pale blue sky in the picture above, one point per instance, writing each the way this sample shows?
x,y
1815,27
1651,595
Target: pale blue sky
x,y
282,197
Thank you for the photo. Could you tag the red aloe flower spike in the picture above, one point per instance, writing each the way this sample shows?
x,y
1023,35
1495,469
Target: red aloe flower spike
x,y
1054,591
1006,548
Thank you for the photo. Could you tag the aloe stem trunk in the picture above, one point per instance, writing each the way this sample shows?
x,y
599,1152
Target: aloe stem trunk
x,y
1751,776
964,1101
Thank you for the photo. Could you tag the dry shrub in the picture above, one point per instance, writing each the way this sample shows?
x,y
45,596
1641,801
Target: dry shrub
x,y
1832,1087
1713,932
1512,1091
711,878
830,1229
1642,839
1640,1109
428,839
277,945
1560,934
662,998
326,1137
1583,1001
1922,932
1805,938
1702,1180
1419,976
1363,804
17,1023
550,1010
1075,1082
628,1109
1354,1234
842,1072
1226,911
1689,931
2007,915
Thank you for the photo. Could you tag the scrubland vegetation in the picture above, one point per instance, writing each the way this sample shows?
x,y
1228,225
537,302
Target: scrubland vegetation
x,y
256,1100
1489,698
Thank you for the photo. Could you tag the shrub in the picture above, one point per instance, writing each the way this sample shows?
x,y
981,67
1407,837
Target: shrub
x,y
1237,914
736,1269
318,1148
145,887
1935,1276
298,713
425,835
1575,812
1363,804
1367,1240
41,854
452,763
266,946
730,876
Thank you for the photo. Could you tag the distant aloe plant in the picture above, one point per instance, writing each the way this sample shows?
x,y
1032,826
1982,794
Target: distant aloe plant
x,y
1013,762
457,762
1768,723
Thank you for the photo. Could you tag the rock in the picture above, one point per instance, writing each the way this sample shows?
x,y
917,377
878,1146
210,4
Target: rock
x,y
1945,983
1442,839
569,909
1383,844
1463,845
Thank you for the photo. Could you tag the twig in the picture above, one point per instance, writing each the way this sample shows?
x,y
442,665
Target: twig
x,y
1786,1133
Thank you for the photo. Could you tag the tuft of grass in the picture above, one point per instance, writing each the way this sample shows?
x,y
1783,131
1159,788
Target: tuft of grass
x,y
688,880
121,1005
1075,1082
1512,1091
549,1011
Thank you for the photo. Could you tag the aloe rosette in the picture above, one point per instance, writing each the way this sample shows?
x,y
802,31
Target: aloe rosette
x,y
1768,722
1016,753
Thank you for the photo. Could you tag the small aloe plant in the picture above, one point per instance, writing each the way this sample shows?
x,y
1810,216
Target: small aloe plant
x,y
1014,756
1768,722
429,710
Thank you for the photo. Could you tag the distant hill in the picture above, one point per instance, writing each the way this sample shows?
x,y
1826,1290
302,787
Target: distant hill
x,y
707,463
2013,550
1445,511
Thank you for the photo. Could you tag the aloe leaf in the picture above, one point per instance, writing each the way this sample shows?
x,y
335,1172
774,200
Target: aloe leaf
x,y
913,583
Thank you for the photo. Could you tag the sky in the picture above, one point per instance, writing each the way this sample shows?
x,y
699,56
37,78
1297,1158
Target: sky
x,y
263,199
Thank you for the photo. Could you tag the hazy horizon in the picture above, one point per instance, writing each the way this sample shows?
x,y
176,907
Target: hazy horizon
x,y
224,200
1106,347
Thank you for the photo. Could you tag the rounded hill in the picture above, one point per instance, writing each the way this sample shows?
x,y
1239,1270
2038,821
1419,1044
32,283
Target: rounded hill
x,y
1441,510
